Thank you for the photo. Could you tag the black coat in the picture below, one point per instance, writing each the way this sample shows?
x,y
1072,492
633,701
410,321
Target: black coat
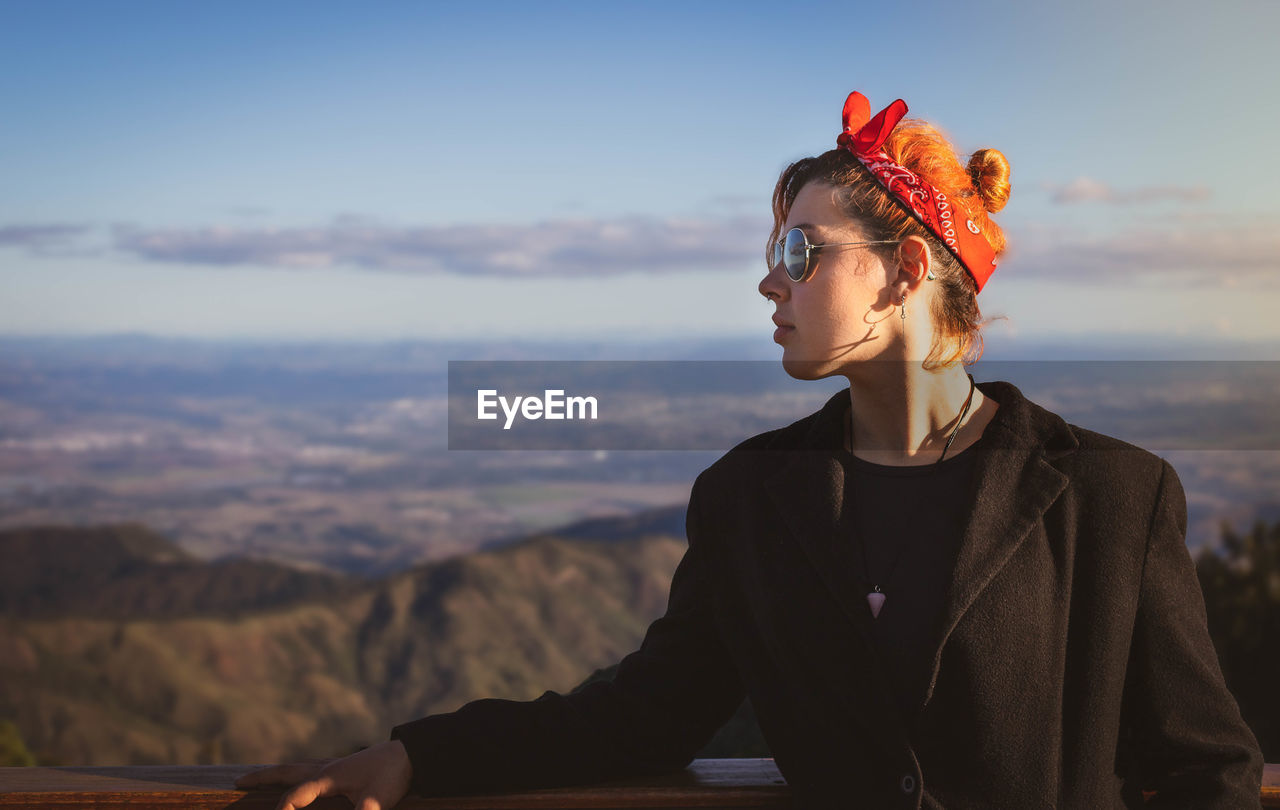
x,y
1073,669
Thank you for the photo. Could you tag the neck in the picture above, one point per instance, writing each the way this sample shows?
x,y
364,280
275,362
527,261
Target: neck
x,y
903,414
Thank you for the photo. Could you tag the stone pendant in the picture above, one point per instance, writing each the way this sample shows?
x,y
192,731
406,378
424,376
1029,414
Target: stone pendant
x,y
876,600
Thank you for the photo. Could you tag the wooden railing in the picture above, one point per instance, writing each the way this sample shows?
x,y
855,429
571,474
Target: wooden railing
x,y
736,783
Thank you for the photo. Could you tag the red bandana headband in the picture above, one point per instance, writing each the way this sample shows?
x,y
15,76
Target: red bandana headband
x,y
864,136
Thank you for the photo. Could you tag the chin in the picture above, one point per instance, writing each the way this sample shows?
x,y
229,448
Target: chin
x,y
807,369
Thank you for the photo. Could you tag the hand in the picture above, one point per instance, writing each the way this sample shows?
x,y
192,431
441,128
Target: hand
x,y
376,778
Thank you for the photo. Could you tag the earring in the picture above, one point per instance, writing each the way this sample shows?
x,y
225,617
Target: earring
x,y
903,302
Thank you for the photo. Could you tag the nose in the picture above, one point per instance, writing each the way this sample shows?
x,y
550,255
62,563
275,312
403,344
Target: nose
x,y
774,286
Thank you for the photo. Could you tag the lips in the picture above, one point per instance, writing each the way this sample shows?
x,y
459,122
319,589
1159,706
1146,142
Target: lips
x,y
783,329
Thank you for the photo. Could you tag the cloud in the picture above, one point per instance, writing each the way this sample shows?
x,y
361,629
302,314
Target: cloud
x,y
1186,256
47,235
1087,189
1185,249
558,247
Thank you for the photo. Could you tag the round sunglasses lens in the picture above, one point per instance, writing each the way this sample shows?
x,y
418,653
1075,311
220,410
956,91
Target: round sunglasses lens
x,y
794,257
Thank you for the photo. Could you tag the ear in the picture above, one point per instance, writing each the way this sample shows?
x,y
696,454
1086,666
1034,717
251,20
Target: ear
x,y
914,261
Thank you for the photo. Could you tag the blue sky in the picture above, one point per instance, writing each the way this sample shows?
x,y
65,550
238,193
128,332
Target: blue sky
x,y
393,170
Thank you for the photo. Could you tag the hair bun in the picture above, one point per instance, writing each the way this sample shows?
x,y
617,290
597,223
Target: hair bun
x,y
989,170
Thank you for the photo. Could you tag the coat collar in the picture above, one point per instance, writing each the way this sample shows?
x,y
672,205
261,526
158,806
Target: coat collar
x,y
1014,483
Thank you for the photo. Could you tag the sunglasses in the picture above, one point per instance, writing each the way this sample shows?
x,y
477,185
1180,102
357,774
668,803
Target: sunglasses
x,y
794,250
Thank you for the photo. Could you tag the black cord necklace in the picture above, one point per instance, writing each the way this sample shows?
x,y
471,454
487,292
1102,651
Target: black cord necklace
x,y
876,596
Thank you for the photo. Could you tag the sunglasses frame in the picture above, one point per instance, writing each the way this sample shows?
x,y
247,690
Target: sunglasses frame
x,y
780,251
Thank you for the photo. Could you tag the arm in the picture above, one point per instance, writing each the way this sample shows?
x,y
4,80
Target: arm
x,y
666,701
1190,744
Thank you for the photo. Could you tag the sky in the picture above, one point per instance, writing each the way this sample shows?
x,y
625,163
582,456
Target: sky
x,y
315,170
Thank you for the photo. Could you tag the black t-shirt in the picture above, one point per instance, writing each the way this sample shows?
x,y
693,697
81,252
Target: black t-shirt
x,y
908,522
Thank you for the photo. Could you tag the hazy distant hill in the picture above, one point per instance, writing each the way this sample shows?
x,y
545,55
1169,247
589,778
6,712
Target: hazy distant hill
x,y
127,570
663,521
144,668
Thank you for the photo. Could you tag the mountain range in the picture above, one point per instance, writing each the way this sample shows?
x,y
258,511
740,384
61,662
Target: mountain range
x,y
118,648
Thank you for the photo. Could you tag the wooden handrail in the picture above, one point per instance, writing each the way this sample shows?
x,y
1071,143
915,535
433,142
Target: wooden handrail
x,y
736,783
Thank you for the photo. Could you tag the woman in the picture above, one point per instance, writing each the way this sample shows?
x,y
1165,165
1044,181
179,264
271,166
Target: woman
x,y
936,594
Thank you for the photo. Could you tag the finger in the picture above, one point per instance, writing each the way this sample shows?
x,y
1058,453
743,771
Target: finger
x,y
306,793
287,774
380,795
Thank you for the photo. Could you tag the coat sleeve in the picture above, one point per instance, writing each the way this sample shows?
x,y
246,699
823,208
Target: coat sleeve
x,y
1190,744
667,699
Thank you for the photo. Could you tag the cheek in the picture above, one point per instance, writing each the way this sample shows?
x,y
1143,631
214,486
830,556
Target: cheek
x,y
836,308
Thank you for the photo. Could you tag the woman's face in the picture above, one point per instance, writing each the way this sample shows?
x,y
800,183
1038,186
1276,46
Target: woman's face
x,y
839,314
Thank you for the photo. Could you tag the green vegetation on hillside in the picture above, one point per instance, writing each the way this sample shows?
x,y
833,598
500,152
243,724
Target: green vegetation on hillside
x,y
13,751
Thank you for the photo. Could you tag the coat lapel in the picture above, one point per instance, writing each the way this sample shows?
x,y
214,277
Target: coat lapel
x,y
1014,484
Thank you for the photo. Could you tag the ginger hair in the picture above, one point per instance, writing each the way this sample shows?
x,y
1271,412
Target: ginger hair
x,y
981,188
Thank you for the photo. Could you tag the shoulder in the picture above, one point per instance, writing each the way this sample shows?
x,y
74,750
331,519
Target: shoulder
x,y
731,495
1110,481
1132,480
1113,462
